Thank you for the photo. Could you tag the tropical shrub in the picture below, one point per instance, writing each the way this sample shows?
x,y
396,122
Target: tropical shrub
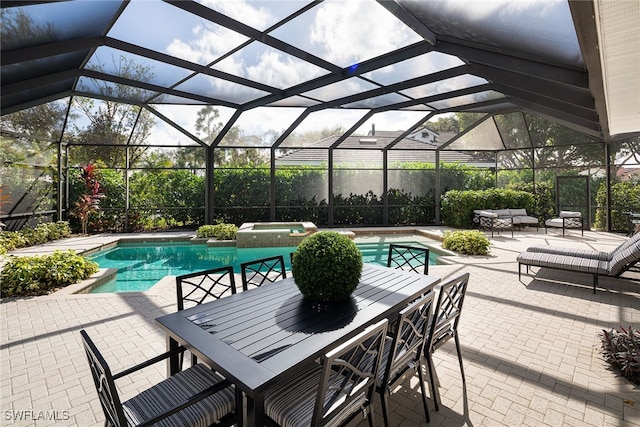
x,y
41,233
89,201
219,231
622,350
38,275
327,266
470,242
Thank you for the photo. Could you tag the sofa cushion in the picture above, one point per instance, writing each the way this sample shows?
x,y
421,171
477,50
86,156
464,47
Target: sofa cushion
x,y
525,220
554,222
565,214
487,213
518,212
502,212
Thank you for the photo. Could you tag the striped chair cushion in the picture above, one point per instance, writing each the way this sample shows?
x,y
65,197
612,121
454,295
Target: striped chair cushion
x,y
291,404
622,258
581,253
626,244
177,389
564,262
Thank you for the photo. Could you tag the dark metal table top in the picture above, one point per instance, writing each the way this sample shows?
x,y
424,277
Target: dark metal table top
x,y
257,337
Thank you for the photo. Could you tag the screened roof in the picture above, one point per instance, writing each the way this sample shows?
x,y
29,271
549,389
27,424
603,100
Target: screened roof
x,y
571,62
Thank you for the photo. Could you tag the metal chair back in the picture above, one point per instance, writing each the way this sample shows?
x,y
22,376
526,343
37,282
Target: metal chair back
x,y
197,288
262,271
405,349
104,382
409,258
445,324
348,376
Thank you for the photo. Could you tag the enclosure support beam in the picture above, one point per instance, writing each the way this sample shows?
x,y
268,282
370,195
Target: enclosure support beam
x,y
208,187
330,183
385,187
607,183
272,185
438,187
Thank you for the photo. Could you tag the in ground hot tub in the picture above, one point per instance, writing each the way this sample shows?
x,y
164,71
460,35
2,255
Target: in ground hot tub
x,y
267,234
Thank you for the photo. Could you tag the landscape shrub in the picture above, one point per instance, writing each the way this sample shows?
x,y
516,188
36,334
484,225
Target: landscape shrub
x,y
219,231
38,275
470,242
41,233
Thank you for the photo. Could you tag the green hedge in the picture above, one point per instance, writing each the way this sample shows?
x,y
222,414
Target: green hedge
x,y
458,206
38,275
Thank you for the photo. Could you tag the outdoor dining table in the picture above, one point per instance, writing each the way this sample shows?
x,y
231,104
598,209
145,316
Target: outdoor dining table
x,y
259,337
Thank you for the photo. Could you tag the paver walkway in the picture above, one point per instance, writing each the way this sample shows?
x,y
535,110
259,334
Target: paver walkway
x,y
531,350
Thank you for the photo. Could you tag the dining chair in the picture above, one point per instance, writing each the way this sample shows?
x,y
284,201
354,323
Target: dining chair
x,y
196,396
202,286
266,270
445,326
335,391
409,258
403,351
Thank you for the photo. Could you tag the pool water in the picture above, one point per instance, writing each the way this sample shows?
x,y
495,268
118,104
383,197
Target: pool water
x,y
141,266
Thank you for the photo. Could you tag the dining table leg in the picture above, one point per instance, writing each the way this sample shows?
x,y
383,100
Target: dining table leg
x,y
255,410
173,361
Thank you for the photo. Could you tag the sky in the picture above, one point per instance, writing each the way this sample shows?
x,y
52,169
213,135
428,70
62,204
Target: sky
x,y
343,33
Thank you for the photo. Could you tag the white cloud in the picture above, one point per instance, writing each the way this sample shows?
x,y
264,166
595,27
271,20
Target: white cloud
x,y
208,43
352,31
240,10
279,71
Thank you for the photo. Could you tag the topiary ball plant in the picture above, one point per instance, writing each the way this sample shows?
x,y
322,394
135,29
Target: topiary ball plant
x,y
327,266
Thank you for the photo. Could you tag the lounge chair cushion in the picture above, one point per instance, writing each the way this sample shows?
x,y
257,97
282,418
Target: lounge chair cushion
x,y
565,262
580,253
623,257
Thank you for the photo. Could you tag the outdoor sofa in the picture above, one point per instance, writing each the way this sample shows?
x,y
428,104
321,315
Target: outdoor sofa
x,y
503,219
609,264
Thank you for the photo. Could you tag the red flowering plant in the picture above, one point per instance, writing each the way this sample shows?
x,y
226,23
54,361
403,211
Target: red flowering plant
x,y
88,202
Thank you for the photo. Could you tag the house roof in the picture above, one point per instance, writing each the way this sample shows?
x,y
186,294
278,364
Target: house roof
x,y
358,150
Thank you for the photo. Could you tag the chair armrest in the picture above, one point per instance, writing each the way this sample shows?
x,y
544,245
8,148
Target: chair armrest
x,y
149,362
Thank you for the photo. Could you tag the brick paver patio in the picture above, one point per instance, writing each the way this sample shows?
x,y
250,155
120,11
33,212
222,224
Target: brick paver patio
x,y
531,350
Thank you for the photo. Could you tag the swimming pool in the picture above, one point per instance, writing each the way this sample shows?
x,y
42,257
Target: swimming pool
x,y
141,266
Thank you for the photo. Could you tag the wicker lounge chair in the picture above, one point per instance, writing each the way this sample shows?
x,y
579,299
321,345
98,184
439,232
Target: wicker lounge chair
x,y
610,264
